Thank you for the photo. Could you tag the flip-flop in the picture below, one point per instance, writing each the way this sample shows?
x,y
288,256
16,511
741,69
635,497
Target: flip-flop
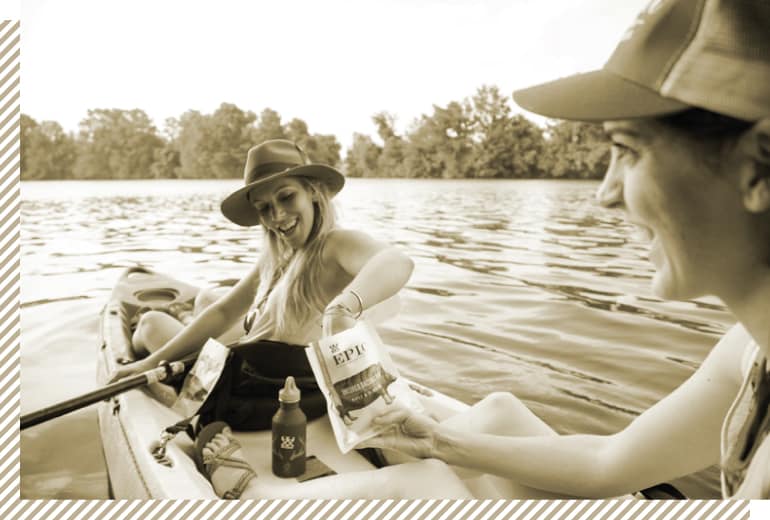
x,y
208,465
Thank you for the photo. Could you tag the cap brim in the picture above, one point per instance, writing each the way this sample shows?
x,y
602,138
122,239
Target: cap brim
x,y
593,97
237,208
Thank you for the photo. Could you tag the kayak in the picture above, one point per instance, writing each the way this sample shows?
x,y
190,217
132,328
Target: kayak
x,y
131,424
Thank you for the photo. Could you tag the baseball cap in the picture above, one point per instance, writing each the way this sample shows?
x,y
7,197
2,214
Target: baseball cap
x,y
710,54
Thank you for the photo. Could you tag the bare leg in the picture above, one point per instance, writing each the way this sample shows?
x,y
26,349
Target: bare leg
x,y
424,479
421,479
500,413
155,328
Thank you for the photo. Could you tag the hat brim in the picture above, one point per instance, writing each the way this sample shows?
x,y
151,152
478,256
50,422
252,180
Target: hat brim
x,y
237,208
595,96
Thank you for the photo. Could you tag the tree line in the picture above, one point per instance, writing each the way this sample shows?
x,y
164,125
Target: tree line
x,y
477,137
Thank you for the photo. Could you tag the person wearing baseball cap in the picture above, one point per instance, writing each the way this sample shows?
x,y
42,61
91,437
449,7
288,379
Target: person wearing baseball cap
x,y
685,100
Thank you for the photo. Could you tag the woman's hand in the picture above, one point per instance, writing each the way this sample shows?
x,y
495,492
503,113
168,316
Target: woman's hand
x,y
410,433
130,369
337,318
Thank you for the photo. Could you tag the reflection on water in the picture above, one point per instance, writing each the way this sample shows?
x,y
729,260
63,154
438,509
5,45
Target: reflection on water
x,y
521,286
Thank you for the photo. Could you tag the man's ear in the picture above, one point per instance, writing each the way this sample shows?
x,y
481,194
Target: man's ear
x,y
755,174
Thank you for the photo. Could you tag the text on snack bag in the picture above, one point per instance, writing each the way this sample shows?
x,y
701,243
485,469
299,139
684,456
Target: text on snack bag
x,y
349,354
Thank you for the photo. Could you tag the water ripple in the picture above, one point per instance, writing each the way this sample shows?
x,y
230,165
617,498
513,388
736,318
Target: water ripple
x,y
520,285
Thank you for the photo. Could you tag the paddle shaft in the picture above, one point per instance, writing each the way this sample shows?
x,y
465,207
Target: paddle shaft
x,y
160,373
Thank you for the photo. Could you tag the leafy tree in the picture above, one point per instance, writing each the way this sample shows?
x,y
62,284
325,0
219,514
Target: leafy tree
x,y
361,160
477,137
391,162
320,148
166,163
576,150
323,148
214,145
505,146
385,123
47,152
269,127
297,131
116,144
191,133
441,146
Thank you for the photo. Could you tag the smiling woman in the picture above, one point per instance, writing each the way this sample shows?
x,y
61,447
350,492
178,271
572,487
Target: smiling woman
x,y
308,266
691,166
671,181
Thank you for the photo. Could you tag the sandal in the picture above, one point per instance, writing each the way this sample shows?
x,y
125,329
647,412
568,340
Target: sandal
x,y
208,465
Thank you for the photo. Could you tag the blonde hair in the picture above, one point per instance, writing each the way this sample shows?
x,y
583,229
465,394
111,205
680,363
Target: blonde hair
x,y
290,280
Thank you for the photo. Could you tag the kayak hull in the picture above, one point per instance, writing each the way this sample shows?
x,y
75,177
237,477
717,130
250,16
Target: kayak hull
x,y
131,423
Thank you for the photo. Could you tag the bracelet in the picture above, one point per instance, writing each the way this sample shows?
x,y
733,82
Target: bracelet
x,y
360,303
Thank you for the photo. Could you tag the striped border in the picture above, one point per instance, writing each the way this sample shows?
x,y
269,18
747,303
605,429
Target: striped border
x,y
10,331
384,509
11,507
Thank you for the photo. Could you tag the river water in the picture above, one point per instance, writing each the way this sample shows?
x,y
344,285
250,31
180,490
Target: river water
x,y
519,286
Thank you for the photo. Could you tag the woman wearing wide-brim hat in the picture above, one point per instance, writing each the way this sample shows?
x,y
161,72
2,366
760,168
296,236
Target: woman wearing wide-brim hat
x,y
268,162
308,267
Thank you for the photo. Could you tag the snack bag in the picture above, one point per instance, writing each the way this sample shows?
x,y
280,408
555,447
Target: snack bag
x,y
358,379
201,379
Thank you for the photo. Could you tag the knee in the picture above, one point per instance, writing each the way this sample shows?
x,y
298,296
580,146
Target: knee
x,y
498,410
153,328
151,323
504,402
503,413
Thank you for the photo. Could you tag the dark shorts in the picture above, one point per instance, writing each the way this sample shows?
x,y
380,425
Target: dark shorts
x,y
246,396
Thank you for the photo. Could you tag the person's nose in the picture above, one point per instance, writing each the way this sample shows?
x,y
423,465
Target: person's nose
x,y
278,211
610,192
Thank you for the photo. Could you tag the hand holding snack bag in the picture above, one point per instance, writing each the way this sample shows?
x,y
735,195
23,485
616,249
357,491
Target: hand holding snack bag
x,y
359,380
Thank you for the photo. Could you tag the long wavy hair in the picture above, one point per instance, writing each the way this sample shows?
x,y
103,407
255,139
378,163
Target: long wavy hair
x,y
289,292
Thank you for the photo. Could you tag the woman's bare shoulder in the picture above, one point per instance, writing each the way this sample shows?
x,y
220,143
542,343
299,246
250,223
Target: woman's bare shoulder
x,y
343,240
730,351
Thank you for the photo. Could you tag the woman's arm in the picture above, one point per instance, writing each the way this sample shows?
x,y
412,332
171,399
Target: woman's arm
x,y
676,436
378,270
211,323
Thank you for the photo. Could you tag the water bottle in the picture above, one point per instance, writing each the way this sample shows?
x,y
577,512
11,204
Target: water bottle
x,y
289,433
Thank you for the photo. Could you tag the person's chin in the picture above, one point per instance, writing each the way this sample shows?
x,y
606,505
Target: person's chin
x,y
661,287
667,286
663,280
298,240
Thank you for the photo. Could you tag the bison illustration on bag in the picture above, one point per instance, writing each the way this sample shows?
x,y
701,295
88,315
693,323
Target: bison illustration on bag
x,y
362,389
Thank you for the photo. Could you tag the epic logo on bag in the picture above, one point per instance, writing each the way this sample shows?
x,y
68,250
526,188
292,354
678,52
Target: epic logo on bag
x,y
359,380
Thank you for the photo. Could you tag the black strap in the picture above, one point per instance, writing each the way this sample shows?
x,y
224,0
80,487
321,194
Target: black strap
x,y
185,425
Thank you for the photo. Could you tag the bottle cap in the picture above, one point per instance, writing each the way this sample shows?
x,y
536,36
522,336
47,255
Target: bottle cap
x,y
289,393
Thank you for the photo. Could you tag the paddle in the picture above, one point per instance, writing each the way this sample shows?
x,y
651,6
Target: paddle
x,y
161,373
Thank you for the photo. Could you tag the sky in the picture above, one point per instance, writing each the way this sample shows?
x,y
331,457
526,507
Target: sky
x,y
332,63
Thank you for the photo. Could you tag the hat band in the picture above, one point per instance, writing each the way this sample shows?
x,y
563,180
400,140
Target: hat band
x,y
265,169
